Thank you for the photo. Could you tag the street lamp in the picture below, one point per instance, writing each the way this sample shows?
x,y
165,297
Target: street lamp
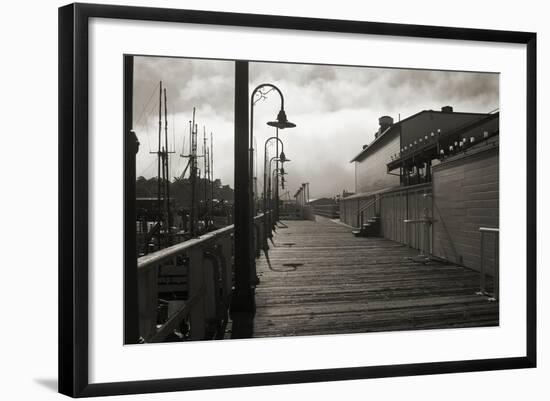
x,y
281,156
275,176
280,123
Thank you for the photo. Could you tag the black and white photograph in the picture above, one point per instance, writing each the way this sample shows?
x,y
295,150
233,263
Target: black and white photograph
x,y
371,195
265,201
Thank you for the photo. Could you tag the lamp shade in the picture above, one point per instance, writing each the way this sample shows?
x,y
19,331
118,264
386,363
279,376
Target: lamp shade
x,y
282,122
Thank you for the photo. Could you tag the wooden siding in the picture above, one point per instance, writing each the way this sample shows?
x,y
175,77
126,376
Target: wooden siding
x,y
350,206
371,171
392,206
466,197
408,203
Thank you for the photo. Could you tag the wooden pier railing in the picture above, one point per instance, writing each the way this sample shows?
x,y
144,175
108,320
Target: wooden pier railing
x,y
201,268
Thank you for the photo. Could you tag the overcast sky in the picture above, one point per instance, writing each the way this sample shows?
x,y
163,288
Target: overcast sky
x,y
336,111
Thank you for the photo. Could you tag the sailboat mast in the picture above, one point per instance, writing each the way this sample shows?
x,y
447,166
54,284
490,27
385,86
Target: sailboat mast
x,y
193,173
167,174
159,200
205,175
211,171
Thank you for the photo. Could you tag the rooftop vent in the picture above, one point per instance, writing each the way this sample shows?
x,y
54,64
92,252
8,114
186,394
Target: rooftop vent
x,y
385,122
447,109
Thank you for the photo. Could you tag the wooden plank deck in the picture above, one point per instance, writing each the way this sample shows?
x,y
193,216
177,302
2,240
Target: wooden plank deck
x,y
320,279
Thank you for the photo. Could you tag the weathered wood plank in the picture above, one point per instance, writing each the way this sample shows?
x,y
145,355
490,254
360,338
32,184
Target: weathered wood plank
x,y
320,279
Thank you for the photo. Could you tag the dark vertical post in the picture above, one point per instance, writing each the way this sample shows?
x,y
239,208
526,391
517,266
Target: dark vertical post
x,y
243,297
131,146
531,221
193,172
211,169
159,201
482,265
277,175
205,180
167,174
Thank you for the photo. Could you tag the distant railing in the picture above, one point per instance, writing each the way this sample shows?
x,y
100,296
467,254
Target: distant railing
x,y
331,210
484,231
206,263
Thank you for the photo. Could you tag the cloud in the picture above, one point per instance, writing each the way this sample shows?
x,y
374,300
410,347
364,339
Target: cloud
x,y
336,110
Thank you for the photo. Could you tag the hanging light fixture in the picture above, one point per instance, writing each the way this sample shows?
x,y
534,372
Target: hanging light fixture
x,y
282,121
282,157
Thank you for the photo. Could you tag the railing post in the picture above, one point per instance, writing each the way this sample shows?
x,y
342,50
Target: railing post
x,y
261,230
197,289
482,290
210,296
148,301
358,212
227,278
256,241
482,266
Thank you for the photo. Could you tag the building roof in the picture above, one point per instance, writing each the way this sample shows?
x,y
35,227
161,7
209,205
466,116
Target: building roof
x,y
394,126
429,150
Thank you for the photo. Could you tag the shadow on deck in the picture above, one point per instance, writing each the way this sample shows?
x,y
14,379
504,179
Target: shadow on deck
x,y
320,279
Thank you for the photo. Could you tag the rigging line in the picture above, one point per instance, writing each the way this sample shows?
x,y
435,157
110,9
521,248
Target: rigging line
x,y
151,108
152,120
147,134
147,123
143,171
147,104
173,129
173,141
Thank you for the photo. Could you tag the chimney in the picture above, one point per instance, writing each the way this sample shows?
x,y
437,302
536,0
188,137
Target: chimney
x,y
385,122
447,109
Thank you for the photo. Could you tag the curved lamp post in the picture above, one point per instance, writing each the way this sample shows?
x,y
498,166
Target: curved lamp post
x,y
280,123
275,175
265,164
281,158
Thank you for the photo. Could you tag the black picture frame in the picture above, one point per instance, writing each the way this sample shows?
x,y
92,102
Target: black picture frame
x,y
73,197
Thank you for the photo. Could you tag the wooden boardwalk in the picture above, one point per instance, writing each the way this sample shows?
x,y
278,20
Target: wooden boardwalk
x,y
320,279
